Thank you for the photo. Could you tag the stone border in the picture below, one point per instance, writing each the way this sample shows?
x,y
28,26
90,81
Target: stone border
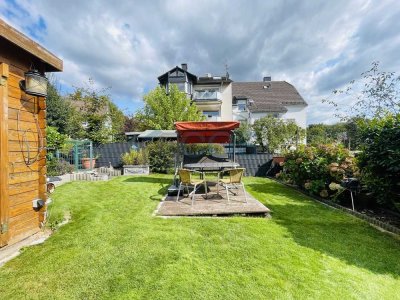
x,y
372,221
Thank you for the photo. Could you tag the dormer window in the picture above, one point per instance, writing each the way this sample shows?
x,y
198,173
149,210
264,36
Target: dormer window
x,y
242,104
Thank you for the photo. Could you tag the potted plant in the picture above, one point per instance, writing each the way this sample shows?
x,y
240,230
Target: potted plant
x,y
135,162
87,162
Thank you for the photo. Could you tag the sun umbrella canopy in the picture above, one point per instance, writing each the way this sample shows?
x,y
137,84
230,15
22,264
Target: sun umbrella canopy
x,y
205,132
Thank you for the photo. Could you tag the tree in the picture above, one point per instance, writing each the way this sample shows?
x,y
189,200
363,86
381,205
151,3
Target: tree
x,y
58,111
55,140
373,96
117,122
346,133
243,133
163,109
131,123
99,119
271,133
317,134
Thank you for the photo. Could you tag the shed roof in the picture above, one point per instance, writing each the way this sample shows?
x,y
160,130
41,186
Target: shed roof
x,y
268,96
9,34
157,134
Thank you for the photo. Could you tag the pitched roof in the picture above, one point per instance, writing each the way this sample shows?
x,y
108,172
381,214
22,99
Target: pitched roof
x,y
164,77
267,96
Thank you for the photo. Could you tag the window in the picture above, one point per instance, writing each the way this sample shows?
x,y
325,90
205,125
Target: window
x,y
241,105
182,86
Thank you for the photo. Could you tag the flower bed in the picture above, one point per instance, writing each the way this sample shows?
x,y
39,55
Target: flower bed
x,y
319,170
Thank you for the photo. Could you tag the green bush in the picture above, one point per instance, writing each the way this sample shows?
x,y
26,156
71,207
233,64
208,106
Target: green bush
x,y
204,148
319,170
135,157
379,161
56,167
162,156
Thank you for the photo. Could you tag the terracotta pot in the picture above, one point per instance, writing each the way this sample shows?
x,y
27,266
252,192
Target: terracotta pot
x,y
86,163
278,159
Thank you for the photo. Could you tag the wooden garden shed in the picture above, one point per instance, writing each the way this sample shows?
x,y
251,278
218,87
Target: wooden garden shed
x,y
22,135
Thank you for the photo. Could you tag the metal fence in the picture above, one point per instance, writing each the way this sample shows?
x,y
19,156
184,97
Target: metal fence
x,y
79,154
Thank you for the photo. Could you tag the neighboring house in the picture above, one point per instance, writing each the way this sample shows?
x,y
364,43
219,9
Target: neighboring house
x,y
212,94
254,100
221,99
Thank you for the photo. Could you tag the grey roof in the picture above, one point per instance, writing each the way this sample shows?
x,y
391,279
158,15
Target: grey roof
x,y
157,134
268,96
130,133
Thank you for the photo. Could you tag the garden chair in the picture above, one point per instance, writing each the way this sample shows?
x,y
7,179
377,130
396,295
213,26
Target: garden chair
x,y
233,182
186,180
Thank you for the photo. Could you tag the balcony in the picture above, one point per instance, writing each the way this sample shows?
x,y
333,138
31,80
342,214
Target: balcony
x,y
213,118
207,95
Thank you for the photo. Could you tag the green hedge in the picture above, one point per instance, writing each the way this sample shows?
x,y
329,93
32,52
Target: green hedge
x,y
380,159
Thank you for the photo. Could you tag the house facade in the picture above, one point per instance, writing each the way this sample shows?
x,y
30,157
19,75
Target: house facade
x,y
222,99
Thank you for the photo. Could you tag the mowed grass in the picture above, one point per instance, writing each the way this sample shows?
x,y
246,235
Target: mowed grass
x,y
114,248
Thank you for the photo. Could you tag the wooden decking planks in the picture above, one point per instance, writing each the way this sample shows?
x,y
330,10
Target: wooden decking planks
x,y
214,205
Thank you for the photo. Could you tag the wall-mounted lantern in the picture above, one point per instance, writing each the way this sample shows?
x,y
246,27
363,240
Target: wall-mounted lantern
x,y
34,84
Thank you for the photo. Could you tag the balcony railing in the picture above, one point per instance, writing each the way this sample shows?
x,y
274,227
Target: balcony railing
x,y
213,118
207,96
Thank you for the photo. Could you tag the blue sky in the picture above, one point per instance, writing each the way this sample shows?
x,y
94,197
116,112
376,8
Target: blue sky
x,y
318,46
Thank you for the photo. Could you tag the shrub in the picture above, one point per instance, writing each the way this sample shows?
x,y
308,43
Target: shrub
x,y
205,148
379,161
135,157
162,156
56,167
319,170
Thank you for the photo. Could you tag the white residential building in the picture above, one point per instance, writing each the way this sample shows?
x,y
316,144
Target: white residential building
x,y
221,99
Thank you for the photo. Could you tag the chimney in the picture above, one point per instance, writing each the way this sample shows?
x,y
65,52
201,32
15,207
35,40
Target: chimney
x,y
184,67
267,78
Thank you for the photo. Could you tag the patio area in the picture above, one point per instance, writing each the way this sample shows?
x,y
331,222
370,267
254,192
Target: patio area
x,y
213,205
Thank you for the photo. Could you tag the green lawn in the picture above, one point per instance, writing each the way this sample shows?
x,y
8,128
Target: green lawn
x,y
115,248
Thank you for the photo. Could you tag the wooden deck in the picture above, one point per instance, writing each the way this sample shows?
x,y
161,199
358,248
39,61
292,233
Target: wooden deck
x,y
214,205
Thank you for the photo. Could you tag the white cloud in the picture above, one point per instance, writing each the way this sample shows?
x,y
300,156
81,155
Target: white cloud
x,y
316,45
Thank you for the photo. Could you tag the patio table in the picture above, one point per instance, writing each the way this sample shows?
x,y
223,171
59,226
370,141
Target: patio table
x,y
211,166
205,167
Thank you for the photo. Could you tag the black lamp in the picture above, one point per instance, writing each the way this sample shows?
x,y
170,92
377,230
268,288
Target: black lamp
x,y
35,83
